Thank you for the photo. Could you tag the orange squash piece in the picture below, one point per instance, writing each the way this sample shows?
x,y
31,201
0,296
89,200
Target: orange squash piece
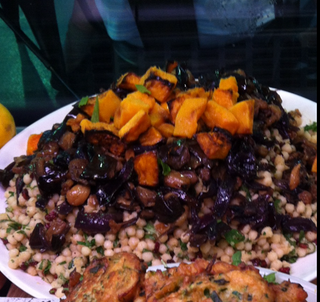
x,y
144,97
218,116
87,125
159,83
186,122
128,81
127,109
175,105
166,130
314,165
146,166
244,112
223,97
139,123
151,137
108,103
32,144
215,145
230,83
158,115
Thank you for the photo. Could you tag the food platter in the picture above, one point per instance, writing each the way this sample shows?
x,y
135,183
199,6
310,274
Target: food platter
x,y
304,269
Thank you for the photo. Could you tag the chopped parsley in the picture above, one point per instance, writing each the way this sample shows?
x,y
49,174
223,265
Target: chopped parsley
x,y
95,114
236,258
83,101
142,89
165,168
233,237
271,278
312,127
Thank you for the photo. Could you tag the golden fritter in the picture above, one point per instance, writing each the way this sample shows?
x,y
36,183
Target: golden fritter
x,y
114,279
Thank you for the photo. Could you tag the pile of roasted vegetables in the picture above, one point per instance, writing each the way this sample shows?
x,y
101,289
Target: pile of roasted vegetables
x,y
161,143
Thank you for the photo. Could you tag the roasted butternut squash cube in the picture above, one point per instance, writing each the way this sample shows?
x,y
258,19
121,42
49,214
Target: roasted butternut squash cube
x,y
144,97
146,166
229,83
128,81
138,124
223,97
215,145
158,115
32,144
87,125
151,137
175,105
244,112
186,122
127,109
159,83
218,116
197,92
108,103
166,130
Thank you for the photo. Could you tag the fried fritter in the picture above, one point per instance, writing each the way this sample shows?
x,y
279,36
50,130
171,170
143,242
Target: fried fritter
x,y
114,279
220,282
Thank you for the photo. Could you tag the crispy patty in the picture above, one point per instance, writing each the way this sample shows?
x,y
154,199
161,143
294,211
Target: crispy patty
x,y
123,277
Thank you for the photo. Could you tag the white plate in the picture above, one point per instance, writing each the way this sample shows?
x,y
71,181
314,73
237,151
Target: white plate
x,y
305,268
310,288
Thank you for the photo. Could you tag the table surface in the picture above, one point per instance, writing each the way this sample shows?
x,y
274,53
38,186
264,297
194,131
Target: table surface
x,y
14,291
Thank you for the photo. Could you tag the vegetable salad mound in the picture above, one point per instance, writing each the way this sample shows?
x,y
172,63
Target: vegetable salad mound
x,y
171,168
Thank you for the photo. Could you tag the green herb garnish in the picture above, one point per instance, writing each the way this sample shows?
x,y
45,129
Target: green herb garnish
x,y
165,168
236,258
233,237
271,278
83,101
142,89
312,127
95,114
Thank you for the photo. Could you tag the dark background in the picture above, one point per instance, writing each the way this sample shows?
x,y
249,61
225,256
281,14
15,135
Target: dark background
x,y
281,54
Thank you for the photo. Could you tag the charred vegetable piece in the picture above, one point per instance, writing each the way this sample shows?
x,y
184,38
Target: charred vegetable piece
x,y
151,137
244,112
158,115
128,81
186,122
218,116
146,166
94,223
128,108
223,97
139,123
216,144
159,83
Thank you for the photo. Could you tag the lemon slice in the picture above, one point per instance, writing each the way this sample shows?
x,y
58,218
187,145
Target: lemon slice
x,y
7,126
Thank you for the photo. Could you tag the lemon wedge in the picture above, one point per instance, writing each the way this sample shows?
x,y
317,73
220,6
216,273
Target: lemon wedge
x,y
7,126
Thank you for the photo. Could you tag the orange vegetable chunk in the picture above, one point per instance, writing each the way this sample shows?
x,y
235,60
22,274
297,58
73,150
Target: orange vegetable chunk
x,y
166,130
144,97
186,123
32,144
223,97
127,109
108,103
128,81
218,116
146,166
215,145
151,137
244,112
158,115
159,83
139,123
